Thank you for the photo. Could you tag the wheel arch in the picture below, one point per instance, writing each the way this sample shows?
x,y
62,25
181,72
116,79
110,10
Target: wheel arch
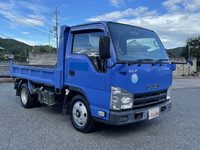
x,y
18,84
80,113
73,91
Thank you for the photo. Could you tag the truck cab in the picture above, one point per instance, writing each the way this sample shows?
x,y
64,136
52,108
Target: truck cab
x,y
109,72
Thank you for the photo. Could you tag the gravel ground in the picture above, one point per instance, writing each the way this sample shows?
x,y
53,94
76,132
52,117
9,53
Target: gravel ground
x,y
47,128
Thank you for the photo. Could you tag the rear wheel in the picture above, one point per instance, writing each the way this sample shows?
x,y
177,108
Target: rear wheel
x,y
80,114
27,100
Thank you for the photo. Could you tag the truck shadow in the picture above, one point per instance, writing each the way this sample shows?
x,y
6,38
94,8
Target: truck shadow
x,y
104,129
113,131
57,109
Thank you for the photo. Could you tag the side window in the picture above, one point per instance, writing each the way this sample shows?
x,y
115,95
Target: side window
x,y
87,43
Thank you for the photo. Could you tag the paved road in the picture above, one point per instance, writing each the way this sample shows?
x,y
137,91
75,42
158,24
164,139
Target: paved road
x,y
183,83
46,128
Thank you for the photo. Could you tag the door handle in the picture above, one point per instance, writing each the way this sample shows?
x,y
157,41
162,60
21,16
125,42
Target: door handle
x,y
72,73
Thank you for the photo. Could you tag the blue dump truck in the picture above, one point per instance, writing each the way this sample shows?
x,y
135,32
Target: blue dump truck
x,y
106,72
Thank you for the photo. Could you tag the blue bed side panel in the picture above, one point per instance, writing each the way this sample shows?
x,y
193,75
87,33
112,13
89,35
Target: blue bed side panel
x,y
48,76
53,77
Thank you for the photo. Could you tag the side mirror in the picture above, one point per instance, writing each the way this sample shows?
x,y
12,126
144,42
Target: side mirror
x,y
104,47
187,52
187,56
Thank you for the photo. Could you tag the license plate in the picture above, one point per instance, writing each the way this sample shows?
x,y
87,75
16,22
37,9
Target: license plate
x,y
153,112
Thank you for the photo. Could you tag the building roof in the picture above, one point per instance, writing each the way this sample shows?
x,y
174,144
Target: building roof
x,y
1,48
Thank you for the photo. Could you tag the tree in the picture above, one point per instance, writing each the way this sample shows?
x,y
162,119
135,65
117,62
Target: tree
x,y
194,43
1,57
44,49
21,50
20,58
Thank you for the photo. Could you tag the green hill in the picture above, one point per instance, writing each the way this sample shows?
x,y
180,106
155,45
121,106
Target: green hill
x,y
12,46
20,50
176,51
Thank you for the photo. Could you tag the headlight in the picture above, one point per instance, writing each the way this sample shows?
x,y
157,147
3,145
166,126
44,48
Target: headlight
x,y
120,99
169,92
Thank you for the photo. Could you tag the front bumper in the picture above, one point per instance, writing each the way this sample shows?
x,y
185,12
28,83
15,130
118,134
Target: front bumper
x,y
127,117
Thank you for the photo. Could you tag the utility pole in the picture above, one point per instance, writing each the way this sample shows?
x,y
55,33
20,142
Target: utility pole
x,y
49,43
55,28
33,48
25,53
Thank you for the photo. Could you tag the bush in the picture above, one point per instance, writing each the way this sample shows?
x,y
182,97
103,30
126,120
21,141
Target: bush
x,y
20,58
198,68
1,57
194,43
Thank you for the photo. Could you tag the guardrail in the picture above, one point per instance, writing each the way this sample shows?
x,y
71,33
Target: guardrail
x,y
4,68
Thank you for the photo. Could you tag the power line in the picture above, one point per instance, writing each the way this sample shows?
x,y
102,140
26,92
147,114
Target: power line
x,y
38,43
5,19
40,32
16,18
6,35
5,9
21,21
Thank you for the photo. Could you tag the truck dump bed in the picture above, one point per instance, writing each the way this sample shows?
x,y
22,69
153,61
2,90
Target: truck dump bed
x,y
42,66
46,74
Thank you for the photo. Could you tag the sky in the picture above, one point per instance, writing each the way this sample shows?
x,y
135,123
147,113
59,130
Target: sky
x,y
30,21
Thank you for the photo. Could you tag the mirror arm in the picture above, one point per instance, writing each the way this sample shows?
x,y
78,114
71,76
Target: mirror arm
x,y
113,65
180,62
117,63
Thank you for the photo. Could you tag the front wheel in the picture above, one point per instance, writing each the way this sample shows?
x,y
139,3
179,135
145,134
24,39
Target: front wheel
x,y
80,114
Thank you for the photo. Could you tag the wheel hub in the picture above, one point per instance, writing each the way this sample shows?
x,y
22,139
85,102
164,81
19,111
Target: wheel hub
x,y
24,96
79,113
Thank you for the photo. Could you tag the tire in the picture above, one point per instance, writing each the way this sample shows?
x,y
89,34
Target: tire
x,y
37,102
80,114
27,100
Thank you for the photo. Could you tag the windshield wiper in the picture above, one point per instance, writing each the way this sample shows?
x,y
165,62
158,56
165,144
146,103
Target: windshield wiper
x,y
162,61
119,62
142,61
145,60
137,61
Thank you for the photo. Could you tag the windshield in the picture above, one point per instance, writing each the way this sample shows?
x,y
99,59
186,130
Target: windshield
x,y
134,43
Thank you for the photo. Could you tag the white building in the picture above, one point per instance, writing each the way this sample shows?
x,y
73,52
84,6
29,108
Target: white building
x,y
1,48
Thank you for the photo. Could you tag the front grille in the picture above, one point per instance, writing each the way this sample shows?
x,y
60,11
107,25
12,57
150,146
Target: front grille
x,y
149,99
